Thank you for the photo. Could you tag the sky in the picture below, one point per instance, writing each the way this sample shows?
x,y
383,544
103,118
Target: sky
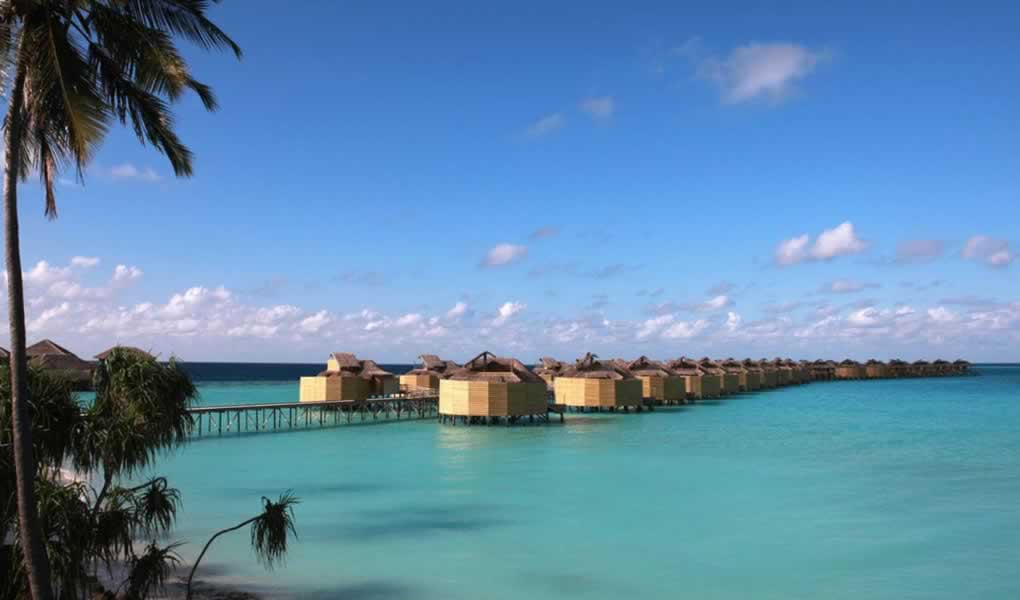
x,y
741,179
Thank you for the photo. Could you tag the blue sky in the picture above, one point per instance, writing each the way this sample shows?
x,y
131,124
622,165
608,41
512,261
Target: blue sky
x,y
531,179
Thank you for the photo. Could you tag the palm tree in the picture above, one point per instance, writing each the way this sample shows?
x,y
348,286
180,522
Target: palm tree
x,y
77,66
269,532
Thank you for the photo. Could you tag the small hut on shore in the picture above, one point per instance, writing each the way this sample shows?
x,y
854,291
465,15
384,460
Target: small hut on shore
x,y
490,386
51,356
875,369
425,378
961,366
691,374
549,369
658,382
591,384
921,368
348,378
734,367
823,370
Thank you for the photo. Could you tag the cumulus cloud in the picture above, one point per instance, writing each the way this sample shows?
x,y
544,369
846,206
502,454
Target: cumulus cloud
x,y
685,330
459,310
756,71
988,250
504,254
600,108
841,240
128,171
125,273
43,273
545,126
507,311
918,251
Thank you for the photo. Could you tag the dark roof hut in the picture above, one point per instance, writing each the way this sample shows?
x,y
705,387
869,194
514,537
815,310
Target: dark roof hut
x,y
784,374
898,368
770,373
595,384
50,356
876,369
492,386
921,368
693,375
823,370
658,382
549,369
961,366
730,379
849,369
755,369
425,378
747,380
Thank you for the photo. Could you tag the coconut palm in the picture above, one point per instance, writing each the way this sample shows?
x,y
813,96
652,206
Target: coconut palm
x,y
269,532
76,66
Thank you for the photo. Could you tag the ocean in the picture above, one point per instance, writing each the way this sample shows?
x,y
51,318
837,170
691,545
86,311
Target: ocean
x,y
891,489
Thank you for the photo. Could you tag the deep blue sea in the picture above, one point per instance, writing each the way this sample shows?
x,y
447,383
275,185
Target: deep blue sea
x,y
895,489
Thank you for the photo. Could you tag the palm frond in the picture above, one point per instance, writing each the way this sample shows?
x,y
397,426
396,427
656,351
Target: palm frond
x,y
269,532
156,507
150,571
182,17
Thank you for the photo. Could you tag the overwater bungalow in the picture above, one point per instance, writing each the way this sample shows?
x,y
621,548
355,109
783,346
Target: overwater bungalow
x,y
755,374
711,378
849,369
549,369
784,374
823,370
875,369
796,375
961,366
348,378
490,386
734,367
921,368
728,383
941,367
591,384
898,368
658,382
53,357
692,375
807,373
770,374
425,378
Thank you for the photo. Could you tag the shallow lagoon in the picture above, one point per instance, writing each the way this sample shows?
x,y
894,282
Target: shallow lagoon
x,y
883,489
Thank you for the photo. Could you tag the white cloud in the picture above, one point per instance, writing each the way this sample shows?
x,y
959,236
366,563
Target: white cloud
x,y
125,273
652,326
685,330
600,108
128,171
846,286
84,261
408,320
733,321
508,310
720,301
841,240
459,310
940,314
42,274
546,125
757,70
504,254
315,323
993,252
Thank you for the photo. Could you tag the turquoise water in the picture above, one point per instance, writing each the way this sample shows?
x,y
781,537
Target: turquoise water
x,y
882,489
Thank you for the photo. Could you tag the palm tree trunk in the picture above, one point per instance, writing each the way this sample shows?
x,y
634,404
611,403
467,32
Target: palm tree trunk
x,y
33,546
209,543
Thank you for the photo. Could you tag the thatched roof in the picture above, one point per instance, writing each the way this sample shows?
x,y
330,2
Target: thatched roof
x,y
961,363
129,349
710,366
495,369
685,366
732,365
590,367
47,354
351,366
4,353
550,364
432,364
752,365
644,366
897,363
921,363
849,363
875,363
346,360
940,362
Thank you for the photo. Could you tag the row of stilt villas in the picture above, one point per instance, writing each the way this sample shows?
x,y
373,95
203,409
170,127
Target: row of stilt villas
x,y
490,386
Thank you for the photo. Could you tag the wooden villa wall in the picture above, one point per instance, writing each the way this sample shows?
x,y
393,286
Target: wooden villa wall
x,y
783,377
692,386
875,372
419,382
383,385
653,387
770,378
711,386
847,372
731,383
795,375
491,399
753,380
605,393
321,389
674,389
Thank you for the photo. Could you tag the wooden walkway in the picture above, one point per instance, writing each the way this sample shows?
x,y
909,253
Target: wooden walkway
x,y
284,416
